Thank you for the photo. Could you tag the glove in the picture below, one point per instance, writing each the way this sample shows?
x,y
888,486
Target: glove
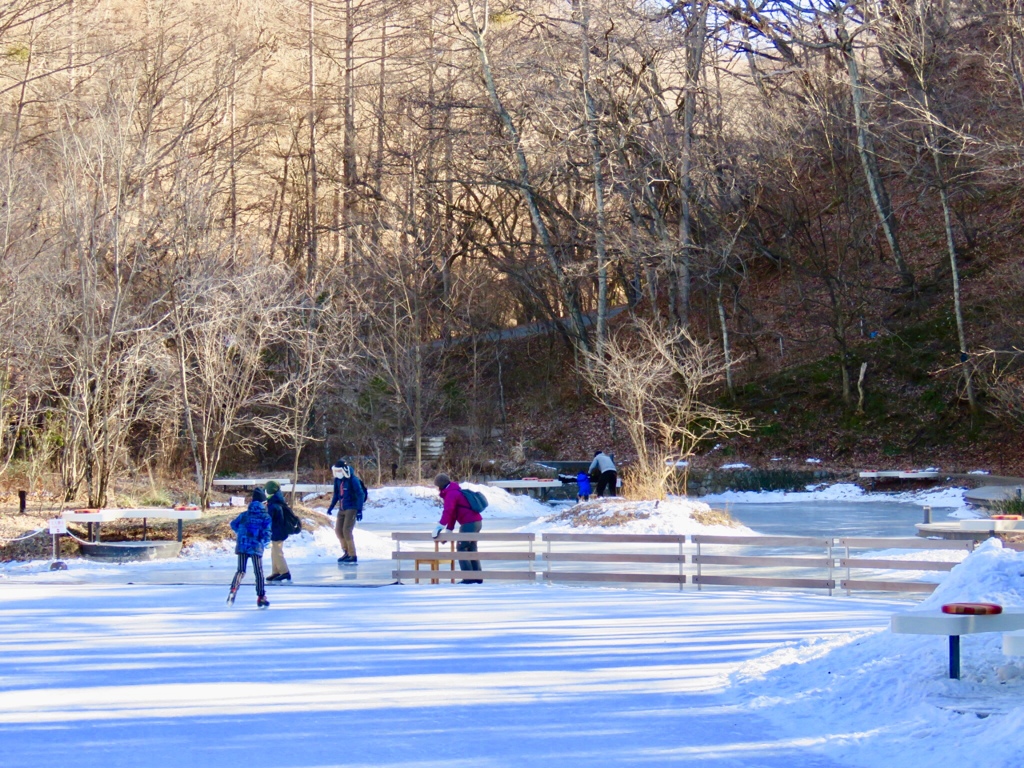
x,y
329,513
437,531
359,515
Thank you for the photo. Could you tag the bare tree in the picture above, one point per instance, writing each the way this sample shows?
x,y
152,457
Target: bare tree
x,y
221,326
655,385
318,346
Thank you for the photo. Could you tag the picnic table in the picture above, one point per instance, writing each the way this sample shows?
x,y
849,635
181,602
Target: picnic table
x,y
245,483
921,474
953,625
94,517
528,485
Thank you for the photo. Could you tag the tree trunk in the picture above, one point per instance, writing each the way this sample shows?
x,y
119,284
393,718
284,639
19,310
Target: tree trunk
x,y
596,163
476,33
726,347
314,182
695,36
869,162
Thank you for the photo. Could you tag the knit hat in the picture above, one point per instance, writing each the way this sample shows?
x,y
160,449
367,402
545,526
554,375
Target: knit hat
x,y
272,487
258,495
442,481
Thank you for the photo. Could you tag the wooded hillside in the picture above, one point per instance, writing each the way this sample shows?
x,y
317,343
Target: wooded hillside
x,y
286,231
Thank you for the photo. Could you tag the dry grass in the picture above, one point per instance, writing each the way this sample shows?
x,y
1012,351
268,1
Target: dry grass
x,y
600,514
715,517
595,514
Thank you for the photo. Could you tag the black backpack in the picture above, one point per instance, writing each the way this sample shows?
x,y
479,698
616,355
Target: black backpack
x,y
361,487
292,524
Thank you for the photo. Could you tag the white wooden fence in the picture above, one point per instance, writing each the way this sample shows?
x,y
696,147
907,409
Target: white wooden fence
x,y
767,562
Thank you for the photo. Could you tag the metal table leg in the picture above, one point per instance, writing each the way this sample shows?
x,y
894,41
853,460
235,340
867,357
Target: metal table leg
x,y
954,657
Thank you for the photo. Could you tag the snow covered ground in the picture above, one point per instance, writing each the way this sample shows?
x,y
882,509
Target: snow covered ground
x,y
104,666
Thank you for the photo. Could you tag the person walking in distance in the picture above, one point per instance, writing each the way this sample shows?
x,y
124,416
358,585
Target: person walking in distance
x,y
252,529
457,510
276,506
606,467
349,492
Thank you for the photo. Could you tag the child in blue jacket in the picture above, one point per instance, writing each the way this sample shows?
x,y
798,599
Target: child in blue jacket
x,y
252,528
582,487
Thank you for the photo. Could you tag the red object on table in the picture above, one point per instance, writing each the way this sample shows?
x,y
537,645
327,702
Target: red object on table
x,y
973,609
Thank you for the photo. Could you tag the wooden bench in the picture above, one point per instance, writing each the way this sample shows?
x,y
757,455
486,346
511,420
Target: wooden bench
x,y
530,487
435,564
954,625
420,556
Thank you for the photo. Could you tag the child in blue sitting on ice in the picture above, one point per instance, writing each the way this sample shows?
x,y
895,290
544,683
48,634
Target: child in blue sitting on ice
x,y
252,528
582,487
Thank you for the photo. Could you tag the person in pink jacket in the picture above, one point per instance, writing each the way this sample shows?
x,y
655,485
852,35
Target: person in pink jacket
x,y
457,510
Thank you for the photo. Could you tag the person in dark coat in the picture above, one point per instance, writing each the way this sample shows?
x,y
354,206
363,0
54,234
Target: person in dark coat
x,y
276,506
457,510
252,529
349,494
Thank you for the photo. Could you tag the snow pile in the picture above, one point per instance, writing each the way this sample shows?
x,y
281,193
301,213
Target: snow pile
x,y
422,504
323,543
865,684
991,574
674,516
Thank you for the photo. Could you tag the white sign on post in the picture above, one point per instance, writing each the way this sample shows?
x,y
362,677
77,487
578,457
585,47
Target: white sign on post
x,y
58,526
238,501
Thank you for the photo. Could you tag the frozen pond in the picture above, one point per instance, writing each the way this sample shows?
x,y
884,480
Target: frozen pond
x,y
833,518
802,518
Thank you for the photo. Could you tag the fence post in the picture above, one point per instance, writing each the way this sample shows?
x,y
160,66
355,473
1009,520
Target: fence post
x,y
849,570
927,514
22,501
831,562
682,562
698,566
57,528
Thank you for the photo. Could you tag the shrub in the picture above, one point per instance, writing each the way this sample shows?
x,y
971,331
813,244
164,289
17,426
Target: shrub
x,y
156,497
1009,507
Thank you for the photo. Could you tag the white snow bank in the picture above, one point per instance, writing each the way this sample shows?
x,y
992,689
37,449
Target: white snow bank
x,y
670,517
895,688
422,504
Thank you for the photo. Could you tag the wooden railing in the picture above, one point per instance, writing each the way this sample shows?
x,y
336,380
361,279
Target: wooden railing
x,y
852,564
488,556
820,562
550,558
796,562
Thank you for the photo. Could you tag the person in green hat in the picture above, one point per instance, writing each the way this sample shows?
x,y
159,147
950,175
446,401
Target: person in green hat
x,y
276,506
